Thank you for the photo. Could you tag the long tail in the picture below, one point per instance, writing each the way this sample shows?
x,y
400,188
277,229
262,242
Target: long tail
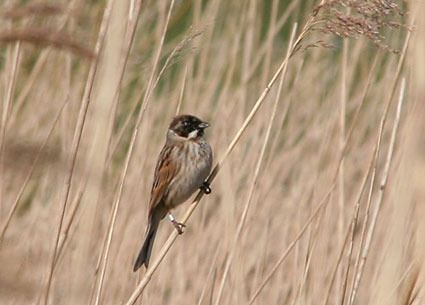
x,y
145,252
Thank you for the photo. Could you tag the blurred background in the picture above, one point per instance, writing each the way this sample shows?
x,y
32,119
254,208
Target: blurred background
x,y
336,213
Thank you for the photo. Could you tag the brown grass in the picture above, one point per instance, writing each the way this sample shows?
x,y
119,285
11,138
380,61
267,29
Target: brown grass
x,y
319,199
46,38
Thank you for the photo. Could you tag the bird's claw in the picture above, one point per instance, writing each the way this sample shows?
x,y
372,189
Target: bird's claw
x,y
179,226
205,187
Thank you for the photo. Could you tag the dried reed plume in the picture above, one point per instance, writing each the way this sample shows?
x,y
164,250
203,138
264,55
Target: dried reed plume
x,y
354,18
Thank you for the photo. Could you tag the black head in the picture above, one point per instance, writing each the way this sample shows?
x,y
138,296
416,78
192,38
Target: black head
x,y
188,126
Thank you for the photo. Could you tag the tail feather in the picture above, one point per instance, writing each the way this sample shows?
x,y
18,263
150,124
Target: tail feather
x,y
145,252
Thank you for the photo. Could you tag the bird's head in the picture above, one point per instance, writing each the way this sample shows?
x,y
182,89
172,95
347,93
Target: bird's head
x,y
188,126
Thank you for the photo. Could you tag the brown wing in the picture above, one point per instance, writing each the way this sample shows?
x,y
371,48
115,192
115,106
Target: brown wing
x,y
165,171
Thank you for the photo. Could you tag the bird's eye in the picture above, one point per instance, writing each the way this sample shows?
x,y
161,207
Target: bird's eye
x,y
186,123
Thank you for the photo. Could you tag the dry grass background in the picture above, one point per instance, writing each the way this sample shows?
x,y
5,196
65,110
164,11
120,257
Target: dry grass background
x,y
218,57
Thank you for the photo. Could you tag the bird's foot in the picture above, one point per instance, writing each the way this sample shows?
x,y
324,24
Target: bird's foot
x,y
178,225
205,187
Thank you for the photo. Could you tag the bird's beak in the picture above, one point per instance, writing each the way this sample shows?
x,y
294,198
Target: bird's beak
x,y
203,125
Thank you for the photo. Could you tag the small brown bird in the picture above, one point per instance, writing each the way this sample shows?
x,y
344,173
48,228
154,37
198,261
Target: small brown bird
x,y
182,167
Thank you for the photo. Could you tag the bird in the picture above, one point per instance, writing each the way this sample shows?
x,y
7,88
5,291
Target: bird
x,y
183,165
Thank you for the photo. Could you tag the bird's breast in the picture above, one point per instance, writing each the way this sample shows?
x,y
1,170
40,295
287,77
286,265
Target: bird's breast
x,y
194,165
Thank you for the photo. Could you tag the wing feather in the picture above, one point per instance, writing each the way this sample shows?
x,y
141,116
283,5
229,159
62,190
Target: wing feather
x,y
166,169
